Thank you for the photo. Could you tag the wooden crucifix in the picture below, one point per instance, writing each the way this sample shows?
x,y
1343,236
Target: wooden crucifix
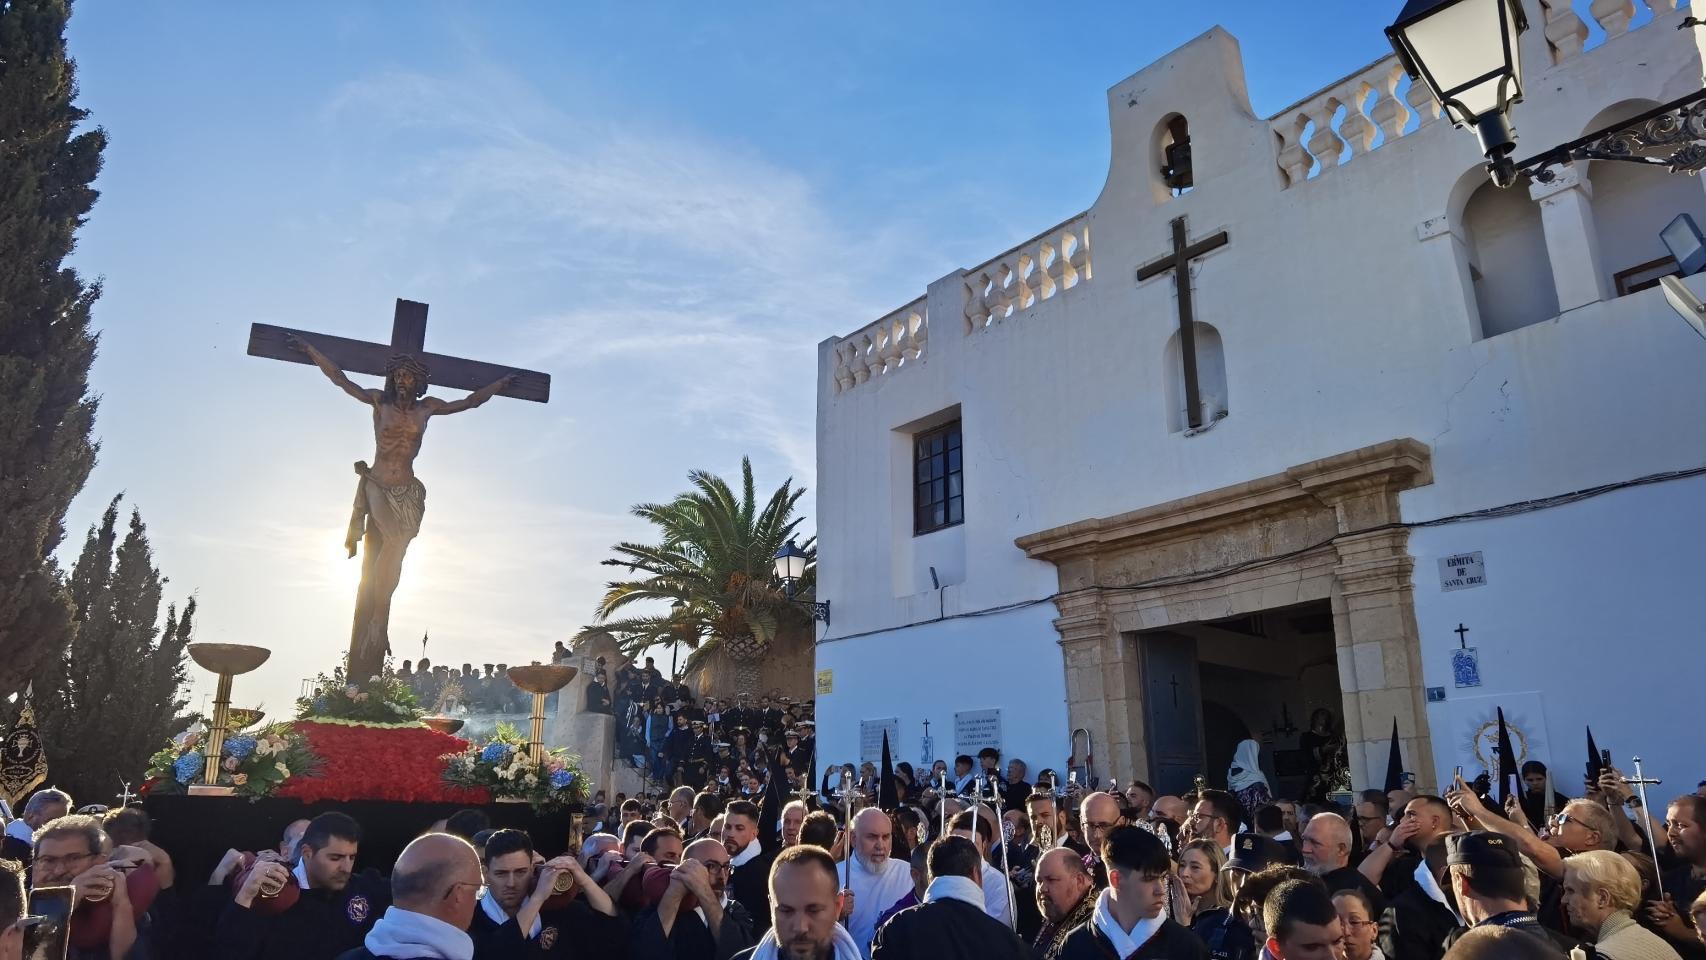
x,y
1178,262
390,500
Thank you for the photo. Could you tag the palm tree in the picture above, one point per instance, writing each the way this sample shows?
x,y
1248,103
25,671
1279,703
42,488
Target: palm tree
x,y
714,565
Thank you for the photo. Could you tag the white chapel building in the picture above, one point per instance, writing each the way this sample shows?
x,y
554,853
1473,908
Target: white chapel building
x,y
1445,457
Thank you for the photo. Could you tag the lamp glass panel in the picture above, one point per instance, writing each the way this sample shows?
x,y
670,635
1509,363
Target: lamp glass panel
x,y
1457,44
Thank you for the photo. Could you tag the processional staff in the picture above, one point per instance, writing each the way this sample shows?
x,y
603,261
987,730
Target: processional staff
x,y
1639,781
846,794
1006,841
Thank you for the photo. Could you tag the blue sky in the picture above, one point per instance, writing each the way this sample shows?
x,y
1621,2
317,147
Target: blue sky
x,y
665,206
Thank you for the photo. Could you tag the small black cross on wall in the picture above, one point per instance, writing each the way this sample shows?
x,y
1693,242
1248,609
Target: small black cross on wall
x,y
1461,631
1179,263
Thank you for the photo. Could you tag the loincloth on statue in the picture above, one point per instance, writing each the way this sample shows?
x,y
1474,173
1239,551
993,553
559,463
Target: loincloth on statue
x,y
395,511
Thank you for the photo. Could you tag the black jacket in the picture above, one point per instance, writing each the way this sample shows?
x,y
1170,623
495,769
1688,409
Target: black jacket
x,y
1415,926
690,939
321,925
1226,937
946,930
1171,942
575,931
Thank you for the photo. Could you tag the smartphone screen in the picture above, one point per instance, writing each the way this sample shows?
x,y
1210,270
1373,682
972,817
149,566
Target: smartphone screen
x,y
47,931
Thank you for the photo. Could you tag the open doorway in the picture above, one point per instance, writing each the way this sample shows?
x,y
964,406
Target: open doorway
x,y
1209,685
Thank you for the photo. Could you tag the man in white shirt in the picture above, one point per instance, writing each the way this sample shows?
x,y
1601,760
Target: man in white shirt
x,y
43,807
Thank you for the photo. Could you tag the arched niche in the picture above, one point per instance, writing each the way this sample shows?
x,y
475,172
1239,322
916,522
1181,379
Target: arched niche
x,y
1508,264
1211,378
1171,172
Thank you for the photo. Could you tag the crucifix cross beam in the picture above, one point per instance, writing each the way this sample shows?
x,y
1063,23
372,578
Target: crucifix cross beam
x,y
408,336
1178,262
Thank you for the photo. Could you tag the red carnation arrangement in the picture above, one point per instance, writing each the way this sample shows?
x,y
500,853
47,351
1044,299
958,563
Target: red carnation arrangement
x,y
403,764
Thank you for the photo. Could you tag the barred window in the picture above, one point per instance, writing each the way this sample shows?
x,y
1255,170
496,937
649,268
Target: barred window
x,y
939,499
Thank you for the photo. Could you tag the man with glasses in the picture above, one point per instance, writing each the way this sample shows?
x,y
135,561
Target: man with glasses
x,y
695,920
435,889
71,851
1099,814
1370,818
1216,817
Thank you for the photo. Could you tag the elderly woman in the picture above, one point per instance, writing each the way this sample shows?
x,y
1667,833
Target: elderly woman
x,y
1601,891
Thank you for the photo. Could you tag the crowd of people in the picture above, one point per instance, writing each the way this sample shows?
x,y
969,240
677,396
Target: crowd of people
x,y
727,747
981,861
483,689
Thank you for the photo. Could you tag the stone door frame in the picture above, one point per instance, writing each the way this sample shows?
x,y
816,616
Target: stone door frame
x,y
1324,530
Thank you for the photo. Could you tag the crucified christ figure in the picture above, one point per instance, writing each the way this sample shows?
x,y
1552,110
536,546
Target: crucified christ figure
x,y
389,498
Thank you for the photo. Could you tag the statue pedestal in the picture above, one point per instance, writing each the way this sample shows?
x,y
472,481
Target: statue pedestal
x,y
591,735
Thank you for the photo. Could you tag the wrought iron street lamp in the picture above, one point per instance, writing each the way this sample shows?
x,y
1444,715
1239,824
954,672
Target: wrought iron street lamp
x,y
1466,51
791,564
1468,55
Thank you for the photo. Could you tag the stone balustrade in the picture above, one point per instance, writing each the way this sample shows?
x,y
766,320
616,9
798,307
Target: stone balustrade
x,y
882,347
1375,105
1309,141
1043,267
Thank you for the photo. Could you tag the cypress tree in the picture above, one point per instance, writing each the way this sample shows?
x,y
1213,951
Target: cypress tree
x,y
46,413
114,696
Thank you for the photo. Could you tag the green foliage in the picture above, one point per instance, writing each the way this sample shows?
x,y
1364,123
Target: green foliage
x,y
714,563
386,699
502,766
255,764
46,412
115,693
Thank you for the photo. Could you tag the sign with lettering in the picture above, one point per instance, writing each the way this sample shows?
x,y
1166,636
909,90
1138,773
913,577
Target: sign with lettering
x,y
871,739
976,729
1462,571
825,682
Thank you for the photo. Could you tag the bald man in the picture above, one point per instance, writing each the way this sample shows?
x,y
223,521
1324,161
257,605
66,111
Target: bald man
x,y
695,920
1170,808
876,880
1066,895
1326,848
1099,813
435,888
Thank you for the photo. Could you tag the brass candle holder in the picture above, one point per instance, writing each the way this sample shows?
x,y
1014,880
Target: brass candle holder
x,y
540,679
227,660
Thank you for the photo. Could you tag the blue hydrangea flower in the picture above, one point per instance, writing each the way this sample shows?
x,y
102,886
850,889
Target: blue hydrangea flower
x,y
239,748
494,752
189,766
561,779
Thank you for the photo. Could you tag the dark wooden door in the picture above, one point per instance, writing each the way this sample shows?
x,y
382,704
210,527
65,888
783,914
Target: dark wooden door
x,y
1172,701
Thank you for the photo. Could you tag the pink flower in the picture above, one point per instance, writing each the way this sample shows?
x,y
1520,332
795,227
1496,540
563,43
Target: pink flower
x,y
230,763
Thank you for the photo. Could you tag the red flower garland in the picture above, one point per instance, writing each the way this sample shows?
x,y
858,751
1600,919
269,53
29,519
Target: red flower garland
x,y
378,763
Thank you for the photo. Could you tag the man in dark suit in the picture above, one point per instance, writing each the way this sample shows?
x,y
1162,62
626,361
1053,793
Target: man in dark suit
x,y
1422,915
951,923
751,852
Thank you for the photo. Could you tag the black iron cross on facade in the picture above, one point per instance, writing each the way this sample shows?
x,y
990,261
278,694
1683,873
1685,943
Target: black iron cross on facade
x,y
408,336
1461,631
1178,262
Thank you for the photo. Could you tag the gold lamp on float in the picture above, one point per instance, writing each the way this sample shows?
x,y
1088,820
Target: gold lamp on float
x,y
226,660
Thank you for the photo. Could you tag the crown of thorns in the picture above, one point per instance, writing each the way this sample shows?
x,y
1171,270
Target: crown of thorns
x,y
404,362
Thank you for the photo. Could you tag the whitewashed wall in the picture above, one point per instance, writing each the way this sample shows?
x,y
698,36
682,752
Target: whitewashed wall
x,y
1347,318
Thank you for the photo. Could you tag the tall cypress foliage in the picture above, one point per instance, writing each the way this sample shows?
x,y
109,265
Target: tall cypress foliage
x,y
114,696
46,413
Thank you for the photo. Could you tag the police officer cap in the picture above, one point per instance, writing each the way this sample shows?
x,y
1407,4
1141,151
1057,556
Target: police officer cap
x,y
1480,848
